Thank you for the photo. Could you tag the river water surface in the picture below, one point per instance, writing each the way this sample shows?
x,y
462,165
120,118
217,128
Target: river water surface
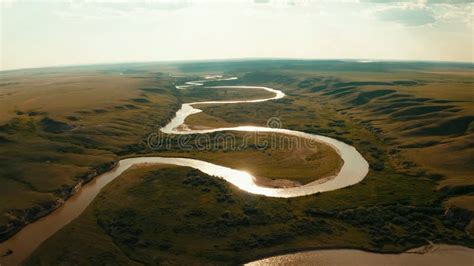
x,y
442,255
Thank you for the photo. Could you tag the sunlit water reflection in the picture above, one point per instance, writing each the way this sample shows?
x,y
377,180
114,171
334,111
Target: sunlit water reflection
x,y
437,255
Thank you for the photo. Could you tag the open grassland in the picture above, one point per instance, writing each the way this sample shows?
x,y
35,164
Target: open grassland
x,y
176,215
199,94
58,93
422,119
286,160
411,121
416,123
62,129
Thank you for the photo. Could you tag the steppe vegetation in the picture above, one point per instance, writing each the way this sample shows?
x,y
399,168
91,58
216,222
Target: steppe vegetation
x,y
413,122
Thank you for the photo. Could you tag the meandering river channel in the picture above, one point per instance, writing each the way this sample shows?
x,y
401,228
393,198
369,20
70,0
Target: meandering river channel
x,y
353,170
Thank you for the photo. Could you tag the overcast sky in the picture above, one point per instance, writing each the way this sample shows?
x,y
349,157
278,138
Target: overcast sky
x,y
35,34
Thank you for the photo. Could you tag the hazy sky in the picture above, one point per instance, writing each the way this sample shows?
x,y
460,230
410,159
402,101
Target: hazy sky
x,y
35,34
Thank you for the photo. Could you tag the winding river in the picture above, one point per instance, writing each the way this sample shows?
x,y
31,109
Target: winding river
x,y
353,170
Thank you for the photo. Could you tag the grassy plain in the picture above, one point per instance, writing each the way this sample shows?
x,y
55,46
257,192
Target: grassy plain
x,y
411,121
417,122
422,120
60,128
203,93
285,159
176,215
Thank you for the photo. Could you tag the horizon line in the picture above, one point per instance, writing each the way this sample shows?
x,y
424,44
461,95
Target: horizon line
x,y
367,60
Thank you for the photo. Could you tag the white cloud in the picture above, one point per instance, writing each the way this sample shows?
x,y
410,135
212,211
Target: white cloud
x,y
408,16
449,13
110,9
423,12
